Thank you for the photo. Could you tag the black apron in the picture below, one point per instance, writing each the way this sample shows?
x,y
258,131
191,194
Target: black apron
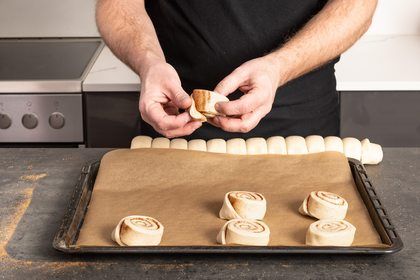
x,y
206,40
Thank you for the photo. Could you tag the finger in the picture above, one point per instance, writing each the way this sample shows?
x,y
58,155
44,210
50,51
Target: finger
x,y
180,98
159,119
232,82
243,124
171,109
186,130
246,104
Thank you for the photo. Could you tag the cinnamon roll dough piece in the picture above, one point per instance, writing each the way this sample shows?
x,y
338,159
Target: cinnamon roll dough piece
x,y
256,146
371,153
276,145
236,146
315,144
352,148
179,143
330,233
216,146
204,101
244,232
243,205
296,145
196,115
197,145
324,205
141,141
138,230
161,142
333,144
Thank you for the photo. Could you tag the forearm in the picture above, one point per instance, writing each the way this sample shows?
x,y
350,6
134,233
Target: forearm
x,y
328,34
128,31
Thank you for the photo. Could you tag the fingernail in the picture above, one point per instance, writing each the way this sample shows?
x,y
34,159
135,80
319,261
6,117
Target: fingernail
x,y
217,106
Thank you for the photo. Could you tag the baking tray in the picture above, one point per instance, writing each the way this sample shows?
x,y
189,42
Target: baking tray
x,y
67,235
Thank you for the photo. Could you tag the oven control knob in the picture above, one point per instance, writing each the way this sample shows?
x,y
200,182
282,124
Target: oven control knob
x,y
30,121
5,121
57,120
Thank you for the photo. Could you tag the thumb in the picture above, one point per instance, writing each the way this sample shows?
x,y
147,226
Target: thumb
x,y
180,98
232,82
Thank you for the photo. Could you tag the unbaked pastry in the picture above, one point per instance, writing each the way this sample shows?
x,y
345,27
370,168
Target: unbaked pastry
x,y
161,142
333,144
276,145
371,152
352,148
236,146
197,145
296,145
196,115
243,205
216,146
244,232
315,144
324,205
256,146
330,233
204,102
179,143
141,141
138,230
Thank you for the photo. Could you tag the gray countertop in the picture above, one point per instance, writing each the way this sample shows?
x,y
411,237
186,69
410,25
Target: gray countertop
x,y
36,185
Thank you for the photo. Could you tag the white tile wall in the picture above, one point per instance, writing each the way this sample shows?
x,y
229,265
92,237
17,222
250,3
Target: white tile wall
x,y
47,18
52,18
396,17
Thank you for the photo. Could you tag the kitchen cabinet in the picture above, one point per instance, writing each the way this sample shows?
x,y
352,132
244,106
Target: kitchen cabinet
x,y
110,118
389,118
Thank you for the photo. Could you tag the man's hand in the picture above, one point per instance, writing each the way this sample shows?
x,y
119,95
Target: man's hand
x,y
258,79
161,98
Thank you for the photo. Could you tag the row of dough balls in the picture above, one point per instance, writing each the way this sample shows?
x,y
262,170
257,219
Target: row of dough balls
x,y
364,151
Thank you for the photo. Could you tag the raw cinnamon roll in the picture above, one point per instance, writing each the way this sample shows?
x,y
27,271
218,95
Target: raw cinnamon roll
x,y
243,205
138,231
296,145
315,144
179,144
276,145
204,102
244,232
333,143
330,233
371,152
352,148
141,141
161,143
324,205
216,146
256,146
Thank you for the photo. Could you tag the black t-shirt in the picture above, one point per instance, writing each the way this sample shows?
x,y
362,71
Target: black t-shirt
x,y
206,40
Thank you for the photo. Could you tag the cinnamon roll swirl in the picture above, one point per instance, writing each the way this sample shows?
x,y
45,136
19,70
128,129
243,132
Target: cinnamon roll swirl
x,y
244,232
138,231
243,205
324,205
330,233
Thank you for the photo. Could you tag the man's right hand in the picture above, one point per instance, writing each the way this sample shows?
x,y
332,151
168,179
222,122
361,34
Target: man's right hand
x,y
161,97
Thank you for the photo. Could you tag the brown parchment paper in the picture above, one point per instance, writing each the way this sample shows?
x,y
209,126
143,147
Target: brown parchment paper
x,y
184,190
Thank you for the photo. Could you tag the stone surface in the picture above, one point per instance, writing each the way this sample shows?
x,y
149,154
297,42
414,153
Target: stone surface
x,y
36,185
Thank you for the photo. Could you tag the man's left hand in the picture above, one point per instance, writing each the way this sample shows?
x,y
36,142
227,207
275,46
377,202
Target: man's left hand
x,y
258,79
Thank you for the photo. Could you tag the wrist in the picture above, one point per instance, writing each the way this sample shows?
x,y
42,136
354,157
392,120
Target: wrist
x,y
282,63
145,61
